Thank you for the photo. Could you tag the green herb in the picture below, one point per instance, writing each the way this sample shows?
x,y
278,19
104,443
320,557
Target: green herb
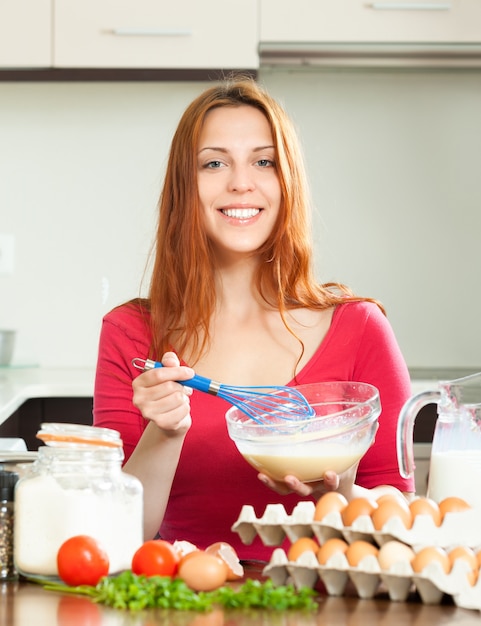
x,y
129,591
265,595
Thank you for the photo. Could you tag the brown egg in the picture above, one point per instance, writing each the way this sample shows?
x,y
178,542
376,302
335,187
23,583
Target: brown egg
x,y
425,506
453,504
357,507
227,554
388,509
430,554
359,549
301,545
329,548
393,552
468,555
202,572
328,503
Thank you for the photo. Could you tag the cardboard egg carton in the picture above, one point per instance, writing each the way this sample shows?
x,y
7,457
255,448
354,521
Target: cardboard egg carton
x,y
368,578
274,525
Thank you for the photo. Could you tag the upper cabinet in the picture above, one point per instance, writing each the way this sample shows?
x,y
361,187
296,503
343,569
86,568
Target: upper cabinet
x,y
156,34
356,32
131,34
358,21
25,33
163,37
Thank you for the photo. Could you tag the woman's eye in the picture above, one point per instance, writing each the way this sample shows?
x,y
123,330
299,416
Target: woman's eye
x,y
213,164
265,163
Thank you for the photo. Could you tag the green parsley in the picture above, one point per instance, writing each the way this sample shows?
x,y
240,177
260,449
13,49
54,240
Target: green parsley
x,y
135,593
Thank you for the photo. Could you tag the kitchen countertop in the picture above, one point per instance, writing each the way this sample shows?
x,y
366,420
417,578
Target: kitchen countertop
x,y
19,384
25,603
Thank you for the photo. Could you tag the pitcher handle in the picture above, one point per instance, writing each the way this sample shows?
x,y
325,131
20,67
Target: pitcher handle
x,y
405,430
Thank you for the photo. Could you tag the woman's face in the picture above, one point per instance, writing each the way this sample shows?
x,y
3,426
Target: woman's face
x,y
238,185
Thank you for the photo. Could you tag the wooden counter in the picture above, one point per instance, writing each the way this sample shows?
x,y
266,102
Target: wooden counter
x,y
25,604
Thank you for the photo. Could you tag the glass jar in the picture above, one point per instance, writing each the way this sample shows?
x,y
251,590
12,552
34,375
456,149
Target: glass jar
x,y
7,510
76,486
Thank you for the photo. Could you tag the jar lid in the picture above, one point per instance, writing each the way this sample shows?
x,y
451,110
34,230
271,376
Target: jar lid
x,y
78,435
8,480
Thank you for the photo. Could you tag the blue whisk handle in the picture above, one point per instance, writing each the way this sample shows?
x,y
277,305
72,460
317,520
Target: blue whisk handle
x,y
201,383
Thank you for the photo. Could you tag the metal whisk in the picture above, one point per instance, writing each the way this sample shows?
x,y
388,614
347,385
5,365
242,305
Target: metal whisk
x,y
260,403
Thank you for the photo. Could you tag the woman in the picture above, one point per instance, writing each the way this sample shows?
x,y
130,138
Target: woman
x,y
233,297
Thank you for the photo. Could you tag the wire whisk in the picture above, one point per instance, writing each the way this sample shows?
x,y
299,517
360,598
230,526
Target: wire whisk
x,y
260,403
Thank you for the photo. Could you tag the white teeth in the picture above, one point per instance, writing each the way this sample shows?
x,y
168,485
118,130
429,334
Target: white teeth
x,y
240,213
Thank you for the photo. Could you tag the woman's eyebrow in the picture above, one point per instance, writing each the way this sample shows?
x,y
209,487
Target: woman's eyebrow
x,y
220,149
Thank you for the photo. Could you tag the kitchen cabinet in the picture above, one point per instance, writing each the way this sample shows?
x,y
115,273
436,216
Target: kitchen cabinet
x,y
155,34
356,21
25,33
26,420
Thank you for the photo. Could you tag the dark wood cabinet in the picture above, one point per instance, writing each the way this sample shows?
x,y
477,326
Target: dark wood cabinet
x,y
26,420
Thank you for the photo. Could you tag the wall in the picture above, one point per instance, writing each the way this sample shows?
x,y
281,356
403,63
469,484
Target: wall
x,y
393,159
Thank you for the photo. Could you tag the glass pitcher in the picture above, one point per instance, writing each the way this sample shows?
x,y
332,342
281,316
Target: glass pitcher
x,y
455,465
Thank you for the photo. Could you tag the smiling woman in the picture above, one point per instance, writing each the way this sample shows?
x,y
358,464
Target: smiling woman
x,y
233,294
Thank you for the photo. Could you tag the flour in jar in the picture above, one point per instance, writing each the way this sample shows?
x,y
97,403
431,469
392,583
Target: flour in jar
x,y
48,513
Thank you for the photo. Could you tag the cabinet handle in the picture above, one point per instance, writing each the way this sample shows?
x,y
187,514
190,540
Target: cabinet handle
x,y
150,32
410,6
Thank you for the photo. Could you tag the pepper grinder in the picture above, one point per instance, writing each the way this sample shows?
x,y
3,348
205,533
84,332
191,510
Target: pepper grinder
x,y
8,481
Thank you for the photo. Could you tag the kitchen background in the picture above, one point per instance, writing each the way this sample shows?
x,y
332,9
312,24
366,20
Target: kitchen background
x,y
393,158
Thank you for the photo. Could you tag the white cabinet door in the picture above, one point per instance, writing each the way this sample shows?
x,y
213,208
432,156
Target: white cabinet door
x,y
156,34
360,21
25,33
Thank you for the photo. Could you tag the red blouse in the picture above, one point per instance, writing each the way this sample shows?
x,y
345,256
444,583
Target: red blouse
x,y
213,481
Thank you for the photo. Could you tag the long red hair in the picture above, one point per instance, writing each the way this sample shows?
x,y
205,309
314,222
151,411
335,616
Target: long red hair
x,y
182,289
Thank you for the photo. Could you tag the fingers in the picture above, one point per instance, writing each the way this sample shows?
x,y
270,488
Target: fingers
x,y
161,398
291,484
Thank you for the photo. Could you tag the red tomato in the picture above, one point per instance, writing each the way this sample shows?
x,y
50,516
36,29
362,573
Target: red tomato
x,y
82,561
155,558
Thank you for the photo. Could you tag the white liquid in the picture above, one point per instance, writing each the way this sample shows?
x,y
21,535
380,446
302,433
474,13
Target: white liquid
x,y
46,515
456,473
305,468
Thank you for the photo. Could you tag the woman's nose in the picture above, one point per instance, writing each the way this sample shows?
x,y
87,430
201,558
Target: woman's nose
x,y
241,180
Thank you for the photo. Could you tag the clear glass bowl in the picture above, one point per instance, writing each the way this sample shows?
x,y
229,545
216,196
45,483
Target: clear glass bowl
x,y
335,439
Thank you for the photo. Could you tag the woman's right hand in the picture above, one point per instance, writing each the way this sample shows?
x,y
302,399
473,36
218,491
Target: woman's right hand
x,y
161,399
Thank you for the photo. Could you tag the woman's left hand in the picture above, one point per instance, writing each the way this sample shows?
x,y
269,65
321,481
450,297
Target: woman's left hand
x,y
330,482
